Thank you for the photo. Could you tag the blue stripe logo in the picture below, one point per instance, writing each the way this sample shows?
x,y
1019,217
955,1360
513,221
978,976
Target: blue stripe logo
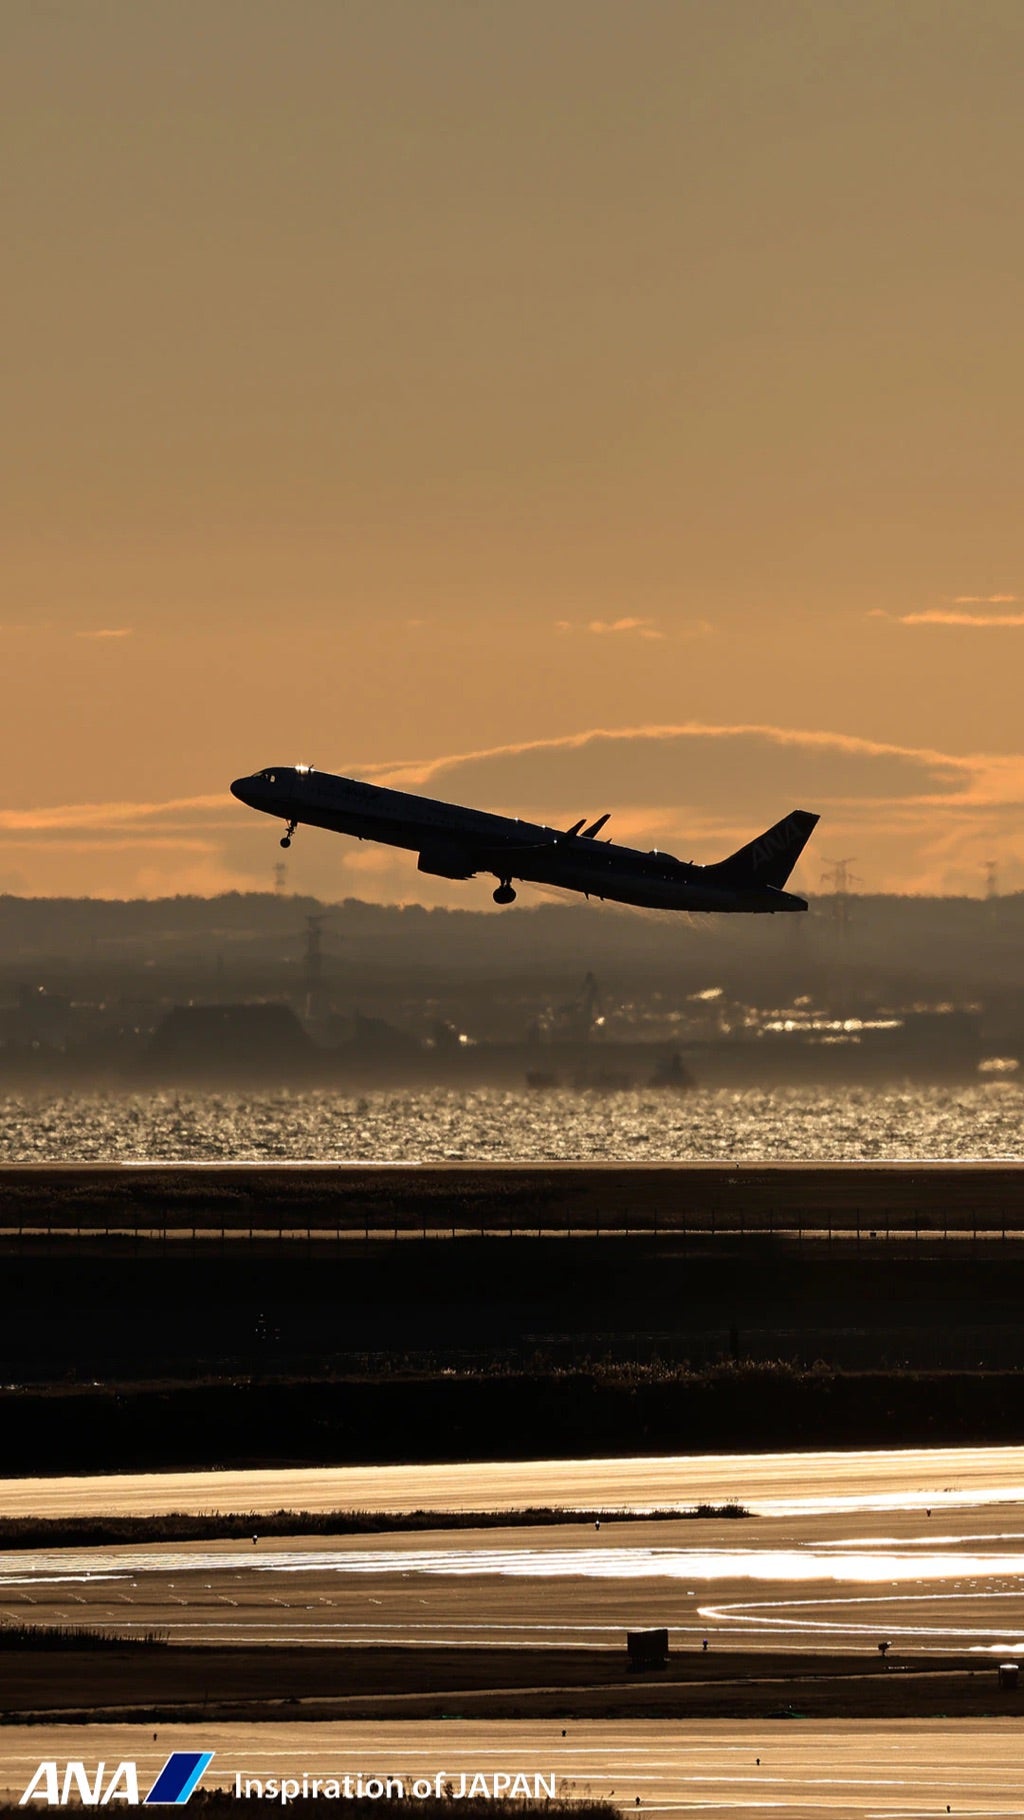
x,y
178,1778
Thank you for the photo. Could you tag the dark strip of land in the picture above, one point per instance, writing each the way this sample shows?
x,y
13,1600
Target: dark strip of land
x,y
593,1413
318,1684
744,1322
91,1315
750,1197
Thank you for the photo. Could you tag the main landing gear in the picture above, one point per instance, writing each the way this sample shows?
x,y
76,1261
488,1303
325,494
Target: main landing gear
x,y
504,893
286,838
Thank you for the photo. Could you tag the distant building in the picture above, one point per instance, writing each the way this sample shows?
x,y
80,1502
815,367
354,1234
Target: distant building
x,y
41,1019
231,1043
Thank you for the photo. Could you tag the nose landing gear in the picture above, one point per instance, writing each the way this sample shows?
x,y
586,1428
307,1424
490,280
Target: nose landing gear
x,y
286,838
504,893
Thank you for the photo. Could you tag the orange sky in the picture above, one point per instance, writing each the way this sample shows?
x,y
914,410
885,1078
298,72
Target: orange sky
x,y
562,405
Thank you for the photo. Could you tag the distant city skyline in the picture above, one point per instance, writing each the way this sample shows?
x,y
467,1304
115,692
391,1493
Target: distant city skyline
x,y
555,408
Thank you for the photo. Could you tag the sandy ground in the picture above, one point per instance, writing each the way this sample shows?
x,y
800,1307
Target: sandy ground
x,y
807,1770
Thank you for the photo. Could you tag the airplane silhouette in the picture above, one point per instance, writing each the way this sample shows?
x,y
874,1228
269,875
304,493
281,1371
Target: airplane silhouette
x,y
452,842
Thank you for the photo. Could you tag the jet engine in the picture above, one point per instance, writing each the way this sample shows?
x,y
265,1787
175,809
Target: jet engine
x,y
446,859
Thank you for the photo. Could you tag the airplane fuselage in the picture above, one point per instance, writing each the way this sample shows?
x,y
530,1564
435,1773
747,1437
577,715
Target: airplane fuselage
x,y
458,843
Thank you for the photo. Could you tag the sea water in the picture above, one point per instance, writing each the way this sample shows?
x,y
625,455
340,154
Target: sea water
x,y
488,1124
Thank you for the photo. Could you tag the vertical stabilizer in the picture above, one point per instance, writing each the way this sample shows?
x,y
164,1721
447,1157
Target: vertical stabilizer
x,y
770,858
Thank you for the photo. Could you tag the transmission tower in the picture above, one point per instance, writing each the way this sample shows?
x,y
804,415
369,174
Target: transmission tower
x,y
840,878
313,963
991,879
992,906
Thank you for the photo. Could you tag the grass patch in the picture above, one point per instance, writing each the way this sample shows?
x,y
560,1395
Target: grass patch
x,y
15,1636
241,1526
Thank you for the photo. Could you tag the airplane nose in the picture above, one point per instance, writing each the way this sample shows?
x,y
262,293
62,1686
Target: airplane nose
x,y
242,789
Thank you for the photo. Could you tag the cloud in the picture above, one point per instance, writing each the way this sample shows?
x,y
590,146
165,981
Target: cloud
x,y
664,761
105,843
938,617
370,860
128,849
643,628
942,616
66,817
46,626
632,626
918,819
601,628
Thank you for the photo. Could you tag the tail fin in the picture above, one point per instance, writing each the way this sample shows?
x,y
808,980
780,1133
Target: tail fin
x,y
770,858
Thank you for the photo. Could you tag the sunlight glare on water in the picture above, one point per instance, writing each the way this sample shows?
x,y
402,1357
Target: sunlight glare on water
x,y
489,1124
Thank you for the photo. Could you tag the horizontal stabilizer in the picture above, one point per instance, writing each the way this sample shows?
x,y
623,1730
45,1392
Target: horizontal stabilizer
x,y
770,858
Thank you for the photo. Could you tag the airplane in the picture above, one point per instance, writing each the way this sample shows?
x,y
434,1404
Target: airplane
x,y
458,843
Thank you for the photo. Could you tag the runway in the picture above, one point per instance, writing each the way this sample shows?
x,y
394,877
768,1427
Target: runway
x,y
769,1483
807,1770
952,1583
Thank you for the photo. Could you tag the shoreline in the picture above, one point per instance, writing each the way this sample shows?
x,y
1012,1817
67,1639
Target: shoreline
x,y
614,1197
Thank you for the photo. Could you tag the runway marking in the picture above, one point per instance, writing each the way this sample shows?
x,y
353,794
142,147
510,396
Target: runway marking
x,y
805,1562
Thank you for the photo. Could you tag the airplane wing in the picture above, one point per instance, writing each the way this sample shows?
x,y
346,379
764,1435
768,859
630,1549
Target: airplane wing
x,y
488,857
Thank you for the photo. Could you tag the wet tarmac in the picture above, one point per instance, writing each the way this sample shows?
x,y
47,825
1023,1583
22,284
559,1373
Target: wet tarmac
x,y
951,1582
938,1478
